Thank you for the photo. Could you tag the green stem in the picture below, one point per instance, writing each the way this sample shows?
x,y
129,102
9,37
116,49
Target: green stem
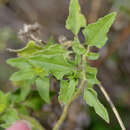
x,y
76,95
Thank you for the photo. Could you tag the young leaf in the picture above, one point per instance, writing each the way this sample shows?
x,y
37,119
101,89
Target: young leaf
x,y
43,88
75,19
67,89
95,33
90,96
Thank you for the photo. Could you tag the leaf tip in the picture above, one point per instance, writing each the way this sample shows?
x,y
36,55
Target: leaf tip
x,y
113,14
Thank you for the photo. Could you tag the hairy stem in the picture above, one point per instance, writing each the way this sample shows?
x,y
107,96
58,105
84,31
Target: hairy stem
x,y
113,107
76,95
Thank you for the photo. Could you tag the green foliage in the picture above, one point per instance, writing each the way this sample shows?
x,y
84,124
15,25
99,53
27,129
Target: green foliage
x,y
36,64
77,47
91,73
95,33
67,90
90,96
93,56
21,93
24,74
29,50
75,19
35,102
43,88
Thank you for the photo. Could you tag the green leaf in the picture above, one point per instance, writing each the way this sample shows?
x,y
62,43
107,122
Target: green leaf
x,y
23,110
19,62
67,90
29,49
52,50
75,19
34,101
92,56
22,92
28,74
55,65
90,96
43,88
78,48
91,73
95,33
9,118
3,101
52,59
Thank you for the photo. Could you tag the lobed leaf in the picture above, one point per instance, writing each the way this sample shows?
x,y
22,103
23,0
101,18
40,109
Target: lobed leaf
x,y
95,33
75,19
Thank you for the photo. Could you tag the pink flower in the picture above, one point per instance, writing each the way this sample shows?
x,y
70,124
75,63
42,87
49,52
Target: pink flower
x,y
19,125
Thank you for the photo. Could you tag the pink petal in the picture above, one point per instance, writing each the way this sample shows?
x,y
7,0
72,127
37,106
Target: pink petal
x,y
19,125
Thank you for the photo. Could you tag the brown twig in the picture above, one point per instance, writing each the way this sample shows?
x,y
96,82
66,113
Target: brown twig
x,y
113,107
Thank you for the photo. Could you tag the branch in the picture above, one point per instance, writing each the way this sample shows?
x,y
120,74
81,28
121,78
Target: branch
x,y
76,95
113,107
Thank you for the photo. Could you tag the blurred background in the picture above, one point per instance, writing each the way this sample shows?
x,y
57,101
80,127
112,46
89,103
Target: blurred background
x,y
114,63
